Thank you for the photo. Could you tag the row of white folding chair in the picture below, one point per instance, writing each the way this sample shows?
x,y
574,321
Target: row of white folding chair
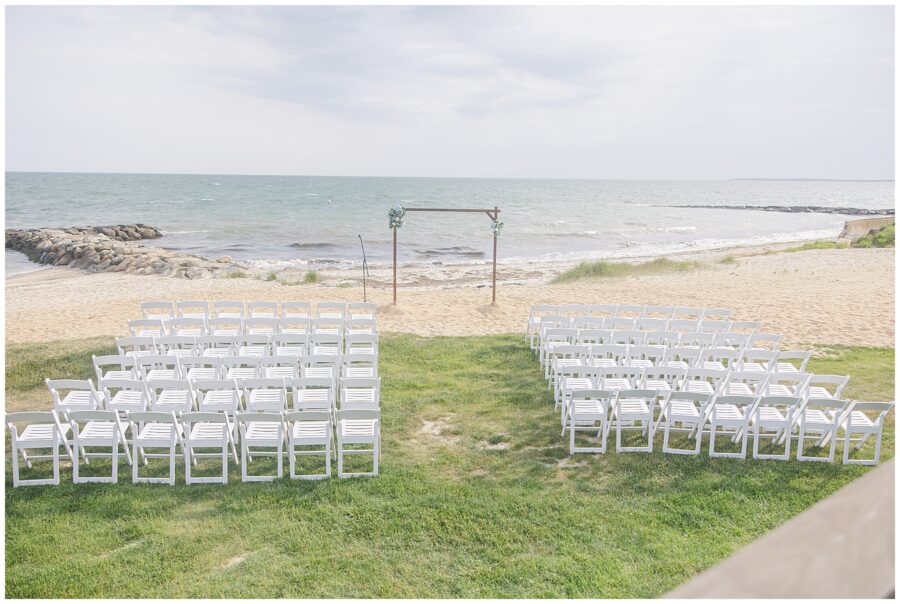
x,y
188,366
783,418
195,433
225,326
232,345
233,393
202,309
621,355
697,380
632,311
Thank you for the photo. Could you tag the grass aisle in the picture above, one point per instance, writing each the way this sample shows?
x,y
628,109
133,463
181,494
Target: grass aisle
x,y
477,498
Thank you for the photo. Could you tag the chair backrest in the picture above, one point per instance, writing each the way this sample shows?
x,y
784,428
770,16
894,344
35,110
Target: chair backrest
x,y
97,415
794,355
715,377
659,312
157,309
360,325
726,356
574,310
205,342
592,394
638,393
308,416
700,398
594,336
369,339
320,360
744,326
712,326
634,311
360,359
630,373
620,323
582,323
244,417
882,409
696,339
345,414
717,314
604,310
652,324
683,325
235,324
655,354
693,313
261,325
788,402
767,341
571,351
766,358
739,400
192,308
60,388
188,324
730,339
204,417
331,308
362,308
838,382
662,338
296,307
234,361
686,355
231,307
134,344
31,417
143,326
320,324
167,343
262,309
616,352
629,337
120,362
672,375
255,339
294,325
152,417
795,382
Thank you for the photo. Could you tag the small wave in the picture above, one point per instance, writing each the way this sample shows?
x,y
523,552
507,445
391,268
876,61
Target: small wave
x,y
182,232
315,245
311,194
455,250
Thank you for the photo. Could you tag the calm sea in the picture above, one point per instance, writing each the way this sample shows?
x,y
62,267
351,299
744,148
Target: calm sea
x,y
283,220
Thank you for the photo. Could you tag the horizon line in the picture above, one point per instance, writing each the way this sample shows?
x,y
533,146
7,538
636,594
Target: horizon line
x,y
686,179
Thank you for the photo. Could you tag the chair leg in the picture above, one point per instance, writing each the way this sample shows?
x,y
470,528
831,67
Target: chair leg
x,y
15,464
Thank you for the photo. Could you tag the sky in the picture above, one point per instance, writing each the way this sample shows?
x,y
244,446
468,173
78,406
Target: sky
x,y
550,92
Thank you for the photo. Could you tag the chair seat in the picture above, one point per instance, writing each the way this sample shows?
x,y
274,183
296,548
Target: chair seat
x,y
128,399
632,408
217,352
857,419
218,400
359,372
298,350
603,362
241,373
616,383
281,372
227,332
39,435
816,417
357,398
252,351
658,385
713,365
755,367
311,431
356,428
819,392
78,399
157,433
162,374
784,367
332,350
588,410
698,387
97,431
202,373
561,363
682,410
174,398
780,390
118,374
771,416
262,434
570,384
738,389
207,433
644,363
319,372
727,415
677,365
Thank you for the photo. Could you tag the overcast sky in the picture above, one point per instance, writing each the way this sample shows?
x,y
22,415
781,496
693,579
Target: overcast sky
x,y
589,92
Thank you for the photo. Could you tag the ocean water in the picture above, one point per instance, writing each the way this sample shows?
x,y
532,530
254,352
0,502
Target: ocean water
x,y
276,221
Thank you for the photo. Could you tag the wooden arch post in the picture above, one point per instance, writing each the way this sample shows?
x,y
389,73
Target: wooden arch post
x,y
493,214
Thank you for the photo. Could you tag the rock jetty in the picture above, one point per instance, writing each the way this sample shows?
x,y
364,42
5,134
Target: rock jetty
x,y
112,249
801,210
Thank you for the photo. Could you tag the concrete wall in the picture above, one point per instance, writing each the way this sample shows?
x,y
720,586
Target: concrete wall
x,y
854,229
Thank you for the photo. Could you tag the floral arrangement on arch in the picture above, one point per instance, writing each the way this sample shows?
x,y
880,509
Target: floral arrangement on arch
x,y
496,227
396,216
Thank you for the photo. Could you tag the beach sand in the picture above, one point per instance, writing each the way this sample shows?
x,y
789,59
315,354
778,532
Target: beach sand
x,y
812,297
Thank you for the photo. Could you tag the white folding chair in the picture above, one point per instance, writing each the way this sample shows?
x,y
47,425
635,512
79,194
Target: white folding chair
x,y
362,310
603,310
313,394
759,361
358,427
669,339
649,324
359,365
284,366
826,386
682,326
309,429
745,383
645,356
217,345
258,344
136,346
658,312
359,326
171,395
360,393
261,326
296,344
218,396
608,355
158,310
711,326
42,430
682,357
731,340
773,416
691,313
765,341
662,379
819,418
292,309
204,431
628,337
696,339
265,432
331,310
185,326
73,395
534,320
791,361
588,411
228,309
633,410
200,368
325,344
193,309
620,378
704,381
683,412
98,428
717,314
729,415
177,346
747,327
225,326
154,430
115,367
857,420
262,310
632,311
124,396
265,395
294,325
321,366
158,367
721,359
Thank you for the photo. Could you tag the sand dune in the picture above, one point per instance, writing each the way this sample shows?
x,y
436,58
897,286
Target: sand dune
x,y
814,297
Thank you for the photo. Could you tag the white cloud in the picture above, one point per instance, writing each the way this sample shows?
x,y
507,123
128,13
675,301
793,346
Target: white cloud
x,y
653,92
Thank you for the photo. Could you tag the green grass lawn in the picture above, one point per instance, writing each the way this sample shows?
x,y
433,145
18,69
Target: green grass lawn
x,y
477,497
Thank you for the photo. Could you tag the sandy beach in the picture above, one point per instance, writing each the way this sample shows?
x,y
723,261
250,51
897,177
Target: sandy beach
x,y
813,297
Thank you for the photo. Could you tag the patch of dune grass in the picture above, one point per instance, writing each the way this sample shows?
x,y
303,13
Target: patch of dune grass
x,y
820,244
477,497
883,237
603,268
728,260
311,277
236,274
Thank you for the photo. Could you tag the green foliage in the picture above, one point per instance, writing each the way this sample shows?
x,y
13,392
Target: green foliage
x,y
477,497
883,237
236,274
728,260
345,285
311,277
602,268
820,244
270,277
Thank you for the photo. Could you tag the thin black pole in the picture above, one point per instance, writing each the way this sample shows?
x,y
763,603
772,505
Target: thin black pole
x,y
365,267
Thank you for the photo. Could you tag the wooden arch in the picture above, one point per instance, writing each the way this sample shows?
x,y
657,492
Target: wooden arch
x,y
493,214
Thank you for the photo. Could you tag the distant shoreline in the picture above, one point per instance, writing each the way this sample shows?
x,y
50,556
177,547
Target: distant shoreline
x,y
799,209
